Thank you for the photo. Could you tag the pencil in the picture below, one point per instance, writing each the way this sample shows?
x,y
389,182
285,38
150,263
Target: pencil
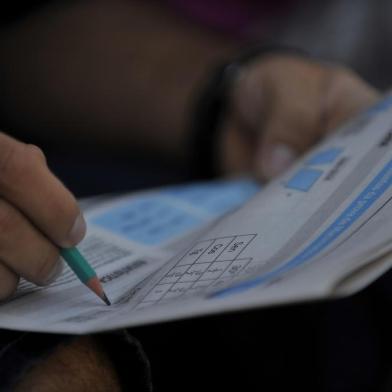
x,y
84,272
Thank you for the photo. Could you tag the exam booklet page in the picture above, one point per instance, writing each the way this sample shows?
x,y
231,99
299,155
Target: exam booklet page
x,y
323,229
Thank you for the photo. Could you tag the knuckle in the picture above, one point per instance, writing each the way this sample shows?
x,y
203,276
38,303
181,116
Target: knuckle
x,y
341,70
339,81
16,162
45,265
36,153
342,77
9,157
68,224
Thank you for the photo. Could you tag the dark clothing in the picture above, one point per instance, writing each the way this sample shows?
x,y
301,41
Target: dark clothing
x,y
331,346
20,352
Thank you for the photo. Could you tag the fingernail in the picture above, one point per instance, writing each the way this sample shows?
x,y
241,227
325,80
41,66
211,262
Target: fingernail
x,y
77,231
55,273
277,160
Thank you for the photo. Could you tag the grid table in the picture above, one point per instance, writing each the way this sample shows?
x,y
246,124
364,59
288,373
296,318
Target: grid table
x,y
208,262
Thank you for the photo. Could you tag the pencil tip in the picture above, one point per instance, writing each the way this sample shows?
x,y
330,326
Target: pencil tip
x,y
95,285
106,299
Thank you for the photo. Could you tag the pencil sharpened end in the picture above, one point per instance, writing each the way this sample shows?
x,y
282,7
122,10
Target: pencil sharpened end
x,y
106,299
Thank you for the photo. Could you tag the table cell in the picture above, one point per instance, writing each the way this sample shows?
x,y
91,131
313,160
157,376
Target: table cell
x,y
195,252
239,243
194,272
177,290
215,270
215,249
157,292
174,274
235,267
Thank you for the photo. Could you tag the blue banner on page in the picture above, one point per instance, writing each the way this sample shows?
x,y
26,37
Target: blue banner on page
x,y
377,187
324,157
215,198
304,179
157,218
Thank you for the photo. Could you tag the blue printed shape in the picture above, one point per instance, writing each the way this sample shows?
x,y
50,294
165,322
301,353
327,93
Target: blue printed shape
x,y
159,218
324,157
215,198
304,179
149,221
381,106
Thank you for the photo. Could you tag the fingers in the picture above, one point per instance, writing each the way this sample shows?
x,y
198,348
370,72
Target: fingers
x,y
27,183
279,101
24,251
37,216
289,103
233,155
287,133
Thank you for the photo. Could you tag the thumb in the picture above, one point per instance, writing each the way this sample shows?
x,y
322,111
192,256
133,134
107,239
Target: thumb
x,y
286,135
273,159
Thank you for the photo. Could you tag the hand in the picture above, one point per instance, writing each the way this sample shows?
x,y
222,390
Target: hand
x,y
282,105
37,215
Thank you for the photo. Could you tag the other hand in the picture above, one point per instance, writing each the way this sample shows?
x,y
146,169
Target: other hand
x,y
283,104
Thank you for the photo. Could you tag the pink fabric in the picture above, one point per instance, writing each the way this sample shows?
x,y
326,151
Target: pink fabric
x,y
231,16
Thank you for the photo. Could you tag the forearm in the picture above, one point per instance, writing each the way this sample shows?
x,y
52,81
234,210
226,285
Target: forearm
x,y
109,71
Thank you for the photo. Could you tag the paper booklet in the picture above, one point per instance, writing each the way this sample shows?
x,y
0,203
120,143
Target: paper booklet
x,y
321,230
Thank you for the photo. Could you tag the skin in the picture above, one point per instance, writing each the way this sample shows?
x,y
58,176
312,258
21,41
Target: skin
x,y
287,103
37,216
90,71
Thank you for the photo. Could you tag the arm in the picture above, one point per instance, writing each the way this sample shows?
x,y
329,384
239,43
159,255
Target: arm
x,y
84,70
